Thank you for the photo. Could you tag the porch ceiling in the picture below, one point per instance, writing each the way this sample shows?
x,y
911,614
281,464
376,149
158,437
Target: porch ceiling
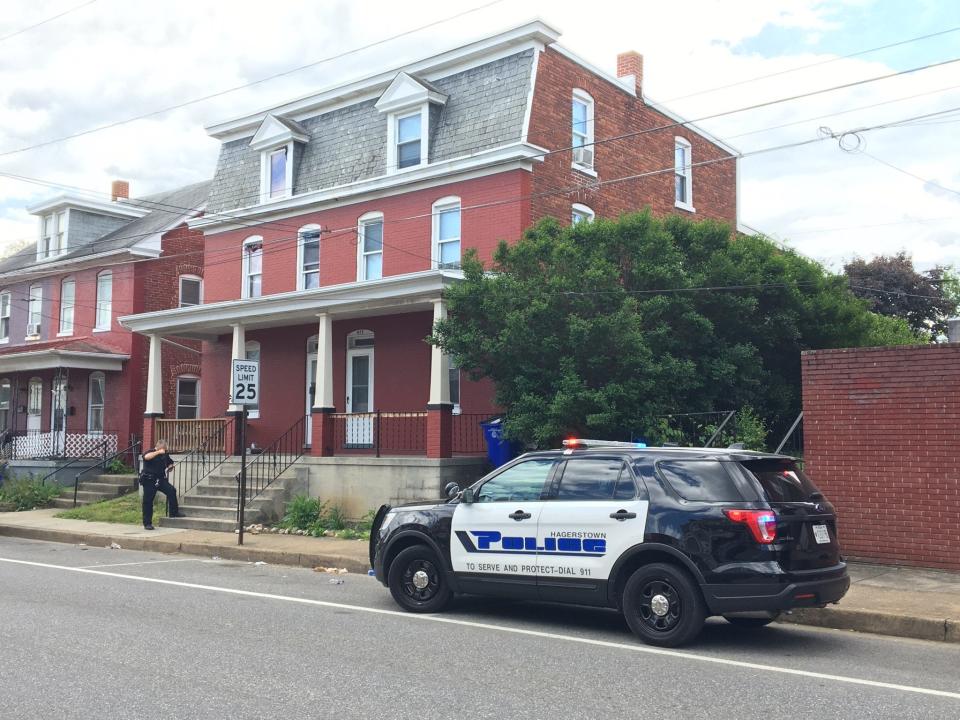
x,y
391,295
49,359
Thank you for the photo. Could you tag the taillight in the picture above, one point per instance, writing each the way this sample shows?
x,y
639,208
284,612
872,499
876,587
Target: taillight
x,y
762,523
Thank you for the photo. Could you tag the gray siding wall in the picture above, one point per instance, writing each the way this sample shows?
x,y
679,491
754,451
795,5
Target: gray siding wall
x,y
85,227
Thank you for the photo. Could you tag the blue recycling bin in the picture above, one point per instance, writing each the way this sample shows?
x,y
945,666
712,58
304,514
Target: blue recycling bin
x,y
500,451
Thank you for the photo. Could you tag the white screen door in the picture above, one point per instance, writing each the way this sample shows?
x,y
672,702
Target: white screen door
x,y
360,397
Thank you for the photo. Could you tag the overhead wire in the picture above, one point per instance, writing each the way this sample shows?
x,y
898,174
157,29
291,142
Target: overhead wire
x,y
50,19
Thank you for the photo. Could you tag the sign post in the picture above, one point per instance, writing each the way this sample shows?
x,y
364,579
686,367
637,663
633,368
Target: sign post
x,y
245,390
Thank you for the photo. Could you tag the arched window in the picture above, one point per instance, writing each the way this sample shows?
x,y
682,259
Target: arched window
x,y
308,257
5,401
68,300
582,127
252,267
104,300
252,352
370,246
446,233
188,397
581,213
96,400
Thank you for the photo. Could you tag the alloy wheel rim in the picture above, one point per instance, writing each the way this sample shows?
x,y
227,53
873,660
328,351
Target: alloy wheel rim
x,y
660,608
421,581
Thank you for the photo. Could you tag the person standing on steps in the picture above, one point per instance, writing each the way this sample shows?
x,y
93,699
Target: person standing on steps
x,y
157,464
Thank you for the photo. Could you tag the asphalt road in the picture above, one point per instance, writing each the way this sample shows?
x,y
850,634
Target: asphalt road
x,y
136,635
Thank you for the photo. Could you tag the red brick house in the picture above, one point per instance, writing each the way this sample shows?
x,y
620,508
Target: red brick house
x,y
336,221
71,377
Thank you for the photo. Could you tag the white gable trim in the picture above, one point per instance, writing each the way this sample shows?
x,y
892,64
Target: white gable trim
x,y
273,133
406,93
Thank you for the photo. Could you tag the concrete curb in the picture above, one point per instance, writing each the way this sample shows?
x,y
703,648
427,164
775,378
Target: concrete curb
x,y
172,545
837,618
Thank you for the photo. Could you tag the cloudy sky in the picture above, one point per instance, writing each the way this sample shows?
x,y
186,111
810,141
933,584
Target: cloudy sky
x,y
109,60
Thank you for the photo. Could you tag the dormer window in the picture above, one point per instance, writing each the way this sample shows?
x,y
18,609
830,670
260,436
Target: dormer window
x,y
278,173
407,102
278,139
53,235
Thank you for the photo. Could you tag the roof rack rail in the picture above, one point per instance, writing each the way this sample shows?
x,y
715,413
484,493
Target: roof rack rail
x,y
572,443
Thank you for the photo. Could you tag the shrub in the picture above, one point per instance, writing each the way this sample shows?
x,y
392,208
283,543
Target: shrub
x,y
119,467
302,513
26,494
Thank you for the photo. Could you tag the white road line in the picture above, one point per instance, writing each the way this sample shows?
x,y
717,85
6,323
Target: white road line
x,y
645,649
144,562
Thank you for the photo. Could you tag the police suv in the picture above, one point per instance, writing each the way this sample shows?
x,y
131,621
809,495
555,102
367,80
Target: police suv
x,y
666,535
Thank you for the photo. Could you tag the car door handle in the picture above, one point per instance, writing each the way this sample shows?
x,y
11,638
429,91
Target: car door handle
x,y
623,515
519,515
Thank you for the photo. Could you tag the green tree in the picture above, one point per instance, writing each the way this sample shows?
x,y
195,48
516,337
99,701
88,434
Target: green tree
x,y
601,328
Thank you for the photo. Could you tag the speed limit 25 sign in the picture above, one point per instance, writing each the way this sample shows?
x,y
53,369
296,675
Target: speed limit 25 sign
x,y
245,382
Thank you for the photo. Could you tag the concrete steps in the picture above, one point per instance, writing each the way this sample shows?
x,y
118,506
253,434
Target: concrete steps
x,y
97,489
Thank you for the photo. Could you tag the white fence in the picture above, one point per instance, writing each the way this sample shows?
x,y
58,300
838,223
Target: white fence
x,y
70,445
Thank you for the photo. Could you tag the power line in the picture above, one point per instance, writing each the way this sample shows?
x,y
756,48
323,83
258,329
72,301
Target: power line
x,y
47,20
924,180
815,64
220,93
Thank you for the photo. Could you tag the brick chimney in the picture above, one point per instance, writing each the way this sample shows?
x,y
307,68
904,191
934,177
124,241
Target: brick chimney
x,y
630,65
119,190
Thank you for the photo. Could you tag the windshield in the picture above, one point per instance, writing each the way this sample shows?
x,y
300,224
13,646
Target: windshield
x,y
782,480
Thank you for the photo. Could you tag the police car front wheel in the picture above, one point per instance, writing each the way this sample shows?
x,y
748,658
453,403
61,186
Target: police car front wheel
x,y
663,605
417,580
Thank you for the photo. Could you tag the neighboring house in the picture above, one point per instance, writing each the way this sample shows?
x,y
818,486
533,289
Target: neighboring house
x,y
336,221
71,378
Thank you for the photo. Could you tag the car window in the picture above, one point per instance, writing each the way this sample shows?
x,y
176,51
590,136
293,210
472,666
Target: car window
x,y
590,479
626,490
700,480
782,480
522,482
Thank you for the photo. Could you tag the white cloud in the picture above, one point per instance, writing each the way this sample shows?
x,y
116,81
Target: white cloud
x,y
113,60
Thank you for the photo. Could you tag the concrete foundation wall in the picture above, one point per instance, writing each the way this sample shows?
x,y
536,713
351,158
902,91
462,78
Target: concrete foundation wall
x,y
360,484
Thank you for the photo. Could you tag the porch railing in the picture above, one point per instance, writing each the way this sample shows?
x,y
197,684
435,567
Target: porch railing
x,y
39,445
269,464
131,453
468,435
208,451
377,433
188,435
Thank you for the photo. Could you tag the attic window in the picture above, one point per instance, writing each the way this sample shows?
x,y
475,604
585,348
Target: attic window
x,y
278,173
406,103
408,140
276,140
53,235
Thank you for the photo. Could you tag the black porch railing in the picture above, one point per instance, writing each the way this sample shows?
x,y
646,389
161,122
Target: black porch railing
x,y
132,452
100,450
376,433
269,464
206,452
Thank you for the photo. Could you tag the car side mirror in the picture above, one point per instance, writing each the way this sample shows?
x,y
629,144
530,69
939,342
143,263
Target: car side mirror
x,y
451,490
468,495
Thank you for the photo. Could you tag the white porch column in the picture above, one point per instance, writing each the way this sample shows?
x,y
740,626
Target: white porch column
x,y
439,363
239,352
323,382
154,379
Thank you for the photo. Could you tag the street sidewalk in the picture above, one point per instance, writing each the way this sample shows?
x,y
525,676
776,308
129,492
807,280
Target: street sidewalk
x,y
887,600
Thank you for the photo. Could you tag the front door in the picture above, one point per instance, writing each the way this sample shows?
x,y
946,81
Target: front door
x,y
494,548
34,405
594,514
58,415
360,398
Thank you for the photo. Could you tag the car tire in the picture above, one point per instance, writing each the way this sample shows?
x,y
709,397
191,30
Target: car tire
x,y
752,620
418,581
663,605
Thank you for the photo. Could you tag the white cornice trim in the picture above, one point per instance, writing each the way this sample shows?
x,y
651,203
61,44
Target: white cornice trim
x,y
296,307
602,74
123,209
506,157
44,268
531,34
52,358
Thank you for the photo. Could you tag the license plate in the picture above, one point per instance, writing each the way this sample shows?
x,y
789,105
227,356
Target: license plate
x,y
821,534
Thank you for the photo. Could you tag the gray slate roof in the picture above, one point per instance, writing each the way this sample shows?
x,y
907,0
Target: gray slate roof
x,y
166,208
485,109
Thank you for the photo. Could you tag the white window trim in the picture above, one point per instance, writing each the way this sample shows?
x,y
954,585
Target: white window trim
x,y
441,205
195,278
97,327
392,121
688,174
579,209
301,285
584,97
31,296
49,254
265,172
96,376
245,266
32,383
5,340
362,222
62,332
253,412
176,407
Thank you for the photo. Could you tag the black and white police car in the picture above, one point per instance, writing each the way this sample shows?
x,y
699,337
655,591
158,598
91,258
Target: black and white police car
x,y
667,535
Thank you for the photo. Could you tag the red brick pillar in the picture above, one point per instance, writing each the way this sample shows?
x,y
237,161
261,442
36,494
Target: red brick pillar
x,y
150,431
231,438
321,432
440,430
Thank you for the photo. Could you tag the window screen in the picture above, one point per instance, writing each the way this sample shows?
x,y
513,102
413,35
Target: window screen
x,y
700,481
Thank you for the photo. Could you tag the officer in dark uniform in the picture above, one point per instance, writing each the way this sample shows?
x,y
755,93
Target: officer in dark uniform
x,y
156,465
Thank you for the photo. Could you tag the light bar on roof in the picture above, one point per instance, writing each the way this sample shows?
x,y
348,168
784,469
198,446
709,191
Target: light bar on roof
x,y
585,443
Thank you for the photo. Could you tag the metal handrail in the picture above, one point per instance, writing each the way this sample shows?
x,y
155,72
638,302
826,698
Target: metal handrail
x,y
200,462
101,447
103,464
273,461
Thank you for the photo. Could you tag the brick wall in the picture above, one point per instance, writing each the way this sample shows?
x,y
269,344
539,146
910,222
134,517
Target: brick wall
x,y
615,113
881,436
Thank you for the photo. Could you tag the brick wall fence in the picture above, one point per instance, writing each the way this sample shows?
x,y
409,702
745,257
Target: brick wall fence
x,y
881,439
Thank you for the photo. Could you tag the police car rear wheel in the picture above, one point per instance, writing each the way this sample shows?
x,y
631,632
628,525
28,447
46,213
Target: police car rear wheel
x,y
663,605
417,580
